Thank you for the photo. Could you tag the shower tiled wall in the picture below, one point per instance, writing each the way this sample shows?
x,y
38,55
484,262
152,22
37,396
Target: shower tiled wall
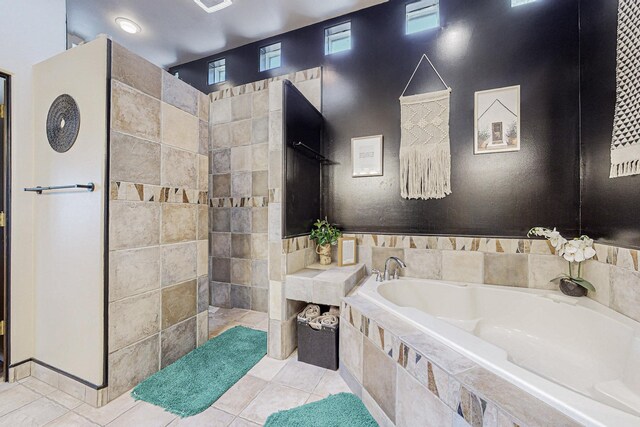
x,y
244,187
158,285
238,182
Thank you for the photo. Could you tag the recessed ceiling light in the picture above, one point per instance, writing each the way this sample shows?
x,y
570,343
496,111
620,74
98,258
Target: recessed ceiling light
x,y
211,6
128,25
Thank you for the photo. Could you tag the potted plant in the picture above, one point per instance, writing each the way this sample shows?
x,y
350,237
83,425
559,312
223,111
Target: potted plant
x,y
575,251
325,234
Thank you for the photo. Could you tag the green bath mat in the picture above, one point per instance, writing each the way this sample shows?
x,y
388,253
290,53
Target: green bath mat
x,y
338,410
191,384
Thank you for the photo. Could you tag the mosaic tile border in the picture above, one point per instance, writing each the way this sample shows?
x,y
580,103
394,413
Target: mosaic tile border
x,y
612,255
296,77
239,202
469,244
296,244
445,378
132,192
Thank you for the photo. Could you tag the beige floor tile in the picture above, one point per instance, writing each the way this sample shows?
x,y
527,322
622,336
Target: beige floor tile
x,y
71,419
16,397
214,331
226,314
37,413
7,386
108,412
253,318
241,422
314,398
212,417
272,399
262,326
267,368
240,395
38,386
331,383
62,398
143,415
299,375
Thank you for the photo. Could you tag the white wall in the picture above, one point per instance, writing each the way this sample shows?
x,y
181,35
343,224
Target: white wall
x,y
31,31
69,225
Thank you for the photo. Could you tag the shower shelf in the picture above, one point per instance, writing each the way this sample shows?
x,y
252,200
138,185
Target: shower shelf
x,y
90,187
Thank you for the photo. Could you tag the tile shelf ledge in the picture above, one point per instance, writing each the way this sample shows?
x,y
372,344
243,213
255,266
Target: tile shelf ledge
x,y
321,284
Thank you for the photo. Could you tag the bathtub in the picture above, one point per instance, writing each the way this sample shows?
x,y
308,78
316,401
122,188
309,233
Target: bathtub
x,y
576,355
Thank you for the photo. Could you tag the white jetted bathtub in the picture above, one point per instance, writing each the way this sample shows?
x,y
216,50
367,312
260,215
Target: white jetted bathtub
x,y
573,353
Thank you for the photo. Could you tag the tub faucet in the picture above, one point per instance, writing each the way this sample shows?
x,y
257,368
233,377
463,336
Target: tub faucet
x,y
387,264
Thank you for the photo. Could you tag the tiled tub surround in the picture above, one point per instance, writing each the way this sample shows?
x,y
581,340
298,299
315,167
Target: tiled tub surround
x,y
158,285
513,262
407,378
245,184
530,338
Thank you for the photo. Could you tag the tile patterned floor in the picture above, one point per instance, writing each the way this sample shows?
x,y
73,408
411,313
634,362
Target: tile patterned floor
x,y
271,386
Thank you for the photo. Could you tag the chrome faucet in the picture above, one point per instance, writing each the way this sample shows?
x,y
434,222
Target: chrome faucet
x,y
381,277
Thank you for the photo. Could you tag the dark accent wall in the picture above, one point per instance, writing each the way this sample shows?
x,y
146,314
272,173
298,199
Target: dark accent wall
x,y
481,45
610,206
302,192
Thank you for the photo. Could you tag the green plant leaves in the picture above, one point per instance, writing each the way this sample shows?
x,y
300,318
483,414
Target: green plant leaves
x,y
325,233
577,280
585,284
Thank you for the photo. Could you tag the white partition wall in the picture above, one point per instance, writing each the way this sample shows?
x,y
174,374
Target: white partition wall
x,y
45,37
69,226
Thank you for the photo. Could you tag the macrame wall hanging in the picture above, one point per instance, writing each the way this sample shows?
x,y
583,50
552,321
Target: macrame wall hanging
x,y
625,146
425,154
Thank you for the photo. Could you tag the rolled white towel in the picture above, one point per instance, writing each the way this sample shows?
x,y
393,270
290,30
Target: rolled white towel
x,y
310,312
327,320
334,310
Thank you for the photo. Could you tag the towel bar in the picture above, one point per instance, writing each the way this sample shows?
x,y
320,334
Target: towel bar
x,y
90,186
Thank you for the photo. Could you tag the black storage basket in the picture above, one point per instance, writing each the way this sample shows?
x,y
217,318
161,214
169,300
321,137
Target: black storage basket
x,y
318,347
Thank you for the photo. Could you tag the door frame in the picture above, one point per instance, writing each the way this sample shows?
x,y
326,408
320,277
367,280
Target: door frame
x,y
6,160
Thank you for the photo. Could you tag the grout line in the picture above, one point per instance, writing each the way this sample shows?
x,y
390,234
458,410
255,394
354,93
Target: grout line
x,y
26,404
128,410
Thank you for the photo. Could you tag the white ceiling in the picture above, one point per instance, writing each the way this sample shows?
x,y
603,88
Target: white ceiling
x,y
179,31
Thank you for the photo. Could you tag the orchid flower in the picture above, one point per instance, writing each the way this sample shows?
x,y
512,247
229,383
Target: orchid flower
x,y
577,250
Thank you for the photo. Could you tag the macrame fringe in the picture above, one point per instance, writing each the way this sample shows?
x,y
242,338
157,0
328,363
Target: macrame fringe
x,y
628,168
425,175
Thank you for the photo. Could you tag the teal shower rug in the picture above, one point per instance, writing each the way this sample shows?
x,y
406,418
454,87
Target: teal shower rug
x,y
191,384
338,410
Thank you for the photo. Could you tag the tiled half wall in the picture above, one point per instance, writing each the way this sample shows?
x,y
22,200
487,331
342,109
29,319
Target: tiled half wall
x,y
158,286
405,377
512,262
245,184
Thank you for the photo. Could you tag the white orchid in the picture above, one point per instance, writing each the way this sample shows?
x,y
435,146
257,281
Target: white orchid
x,y
576,250
557,241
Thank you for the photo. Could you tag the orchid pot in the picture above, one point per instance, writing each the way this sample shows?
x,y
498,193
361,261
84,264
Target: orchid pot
x,y
575,252
571,288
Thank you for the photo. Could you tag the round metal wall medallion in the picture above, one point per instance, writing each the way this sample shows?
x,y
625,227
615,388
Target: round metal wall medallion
x,y
63,123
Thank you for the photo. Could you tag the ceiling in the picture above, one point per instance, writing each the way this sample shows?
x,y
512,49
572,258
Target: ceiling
x,y
179,31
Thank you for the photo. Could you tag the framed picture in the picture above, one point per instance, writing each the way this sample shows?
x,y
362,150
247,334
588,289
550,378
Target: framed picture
x,y
497,120
366,156
347,251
